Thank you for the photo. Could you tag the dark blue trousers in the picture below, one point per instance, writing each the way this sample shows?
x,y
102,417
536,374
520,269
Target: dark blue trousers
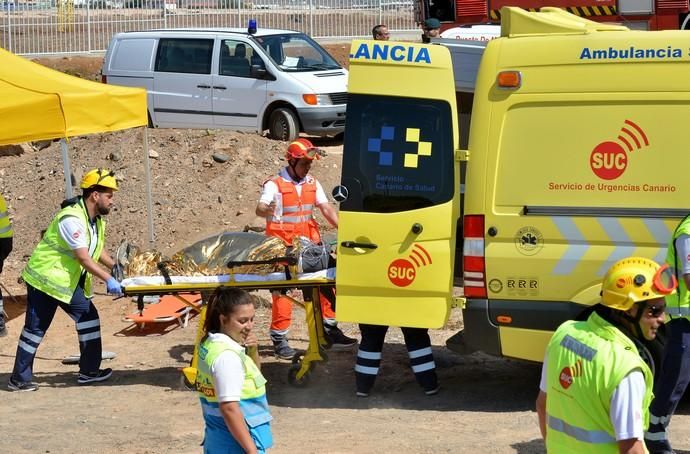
x,y
418,346
40,311
670,384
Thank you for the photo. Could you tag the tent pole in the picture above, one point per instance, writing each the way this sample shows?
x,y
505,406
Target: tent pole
x,y
149,203
66,169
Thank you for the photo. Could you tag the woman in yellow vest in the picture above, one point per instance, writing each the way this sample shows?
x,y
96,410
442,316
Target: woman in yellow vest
x,y
231,388
5,249
596,381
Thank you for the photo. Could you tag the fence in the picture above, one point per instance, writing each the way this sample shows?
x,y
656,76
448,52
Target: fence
x,y
75,26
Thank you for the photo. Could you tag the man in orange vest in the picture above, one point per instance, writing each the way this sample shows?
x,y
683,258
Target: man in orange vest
x,y
287,202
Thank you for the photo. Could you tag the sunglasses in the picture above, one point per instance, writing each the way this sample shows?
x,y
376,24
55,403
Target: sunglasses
x,y
655,311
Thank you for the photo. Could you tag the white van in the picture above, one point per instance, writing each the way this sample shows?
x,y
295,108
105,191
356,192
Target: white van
x,y
276,80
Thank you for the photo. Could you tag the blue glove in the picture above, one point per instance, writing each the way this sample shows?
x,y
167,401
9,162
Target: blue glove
x,y
113,286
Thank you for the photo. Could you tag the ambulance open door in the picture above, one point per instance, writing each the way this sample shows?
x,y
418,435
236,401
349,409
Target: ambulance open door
x,y
399,190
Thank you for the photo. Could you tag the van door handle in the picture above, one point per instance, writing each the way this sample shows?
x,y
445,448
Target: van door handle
x,y
203,86
220,87
354,244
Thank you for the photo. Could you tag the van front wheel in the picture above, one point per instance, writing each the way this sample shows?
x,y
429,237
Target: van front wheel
x,y
283,125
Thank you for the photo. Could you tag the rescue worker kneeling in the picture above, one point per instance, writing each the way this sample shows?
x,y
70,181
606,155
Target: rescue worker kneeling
x,y
596,382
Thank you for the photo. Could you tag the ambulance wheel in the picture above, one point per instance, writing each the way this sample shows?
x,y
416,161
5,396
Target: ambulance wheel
x,y
292,376
283,125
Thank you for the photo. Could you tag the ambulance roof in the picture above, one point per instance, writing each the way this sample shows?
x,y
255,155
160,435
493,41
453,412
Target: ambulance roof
x,y
549,20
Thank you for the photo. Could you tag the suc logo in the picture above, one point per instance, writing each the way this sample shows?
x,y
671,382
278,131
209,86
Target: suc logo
x,y
568,374
402,272
609,159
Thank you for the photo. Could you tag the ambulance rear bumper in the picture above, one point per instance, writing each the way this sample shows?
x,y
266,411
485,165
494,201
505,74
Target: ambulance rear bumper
x,y
481,326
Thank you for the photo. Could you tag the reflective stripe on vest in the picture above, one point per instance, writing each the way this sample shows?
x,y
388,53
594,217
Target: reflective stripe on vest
x,y
53,268
298,211
584,435
5,224
678,304
44,283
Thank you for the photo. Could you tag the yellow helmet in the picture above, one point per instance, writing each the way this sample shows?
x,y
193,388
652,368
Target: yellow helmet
x,y
636,279
99,177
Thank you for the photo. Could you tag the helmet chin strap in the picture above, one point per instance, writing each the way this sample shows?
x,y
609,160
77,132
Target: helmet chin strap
x,y
635,321
292,164
616,317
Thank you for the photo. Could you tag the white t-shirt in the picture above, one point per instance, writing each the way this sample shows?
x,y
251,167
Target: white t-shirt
x,y
270,189
626,404
73,231
227,371
683,254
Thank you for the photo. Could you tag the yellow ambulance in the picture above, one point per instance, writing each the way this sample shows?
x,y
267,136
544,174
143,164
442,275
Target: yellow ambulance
x,y
576,157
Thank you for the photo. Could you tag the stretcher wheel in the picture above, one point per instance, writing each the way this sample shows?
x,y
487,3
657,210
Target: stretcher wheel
x,y
298,357
292,376
186,383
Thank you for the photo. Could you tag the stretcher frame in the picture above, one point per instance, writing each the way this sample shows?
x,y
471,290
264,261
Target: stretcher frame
x,y
303,363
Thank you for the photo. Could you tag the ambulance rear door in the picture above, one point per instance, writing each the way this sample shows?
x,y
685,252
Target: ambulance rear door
x,y
399,190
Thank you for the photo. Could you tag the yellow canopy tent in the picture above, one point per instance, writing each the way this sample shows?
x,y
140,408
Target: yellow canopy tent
x,y
38,103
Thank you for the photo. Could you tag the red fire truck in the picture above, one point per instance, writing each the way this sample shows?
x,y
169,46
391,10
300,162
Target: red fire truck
x,y
635,14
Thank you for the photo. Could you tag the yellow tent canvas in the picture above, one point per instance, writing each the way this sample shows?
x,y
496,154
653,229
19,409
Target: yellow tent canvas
x,y
38,103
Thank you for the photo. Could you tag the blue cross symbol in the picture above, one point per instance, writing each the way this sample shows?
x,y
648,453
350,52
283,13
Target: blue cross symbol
x,y
374,145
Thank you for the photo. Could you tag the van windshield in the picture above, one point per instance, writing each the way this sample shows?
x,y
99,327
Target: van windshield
x,y
296,52
398,154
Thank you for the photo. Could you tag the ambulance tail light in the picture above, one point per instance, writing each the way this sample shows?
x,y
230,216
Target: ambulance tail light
x,y
473,261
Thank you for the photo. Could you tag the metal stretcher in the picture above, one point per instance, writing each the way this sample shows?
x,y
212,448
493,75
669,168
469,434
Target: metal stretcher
x,y
311,284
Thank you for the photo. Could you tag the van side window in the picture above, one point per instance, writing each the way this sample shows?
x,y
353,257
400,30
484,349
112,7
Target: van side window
x,y
190,56
235,58
398,154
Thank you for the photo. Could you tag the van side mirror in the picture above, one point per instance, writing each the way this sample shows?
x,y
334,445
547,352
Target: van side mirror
x,y
260,72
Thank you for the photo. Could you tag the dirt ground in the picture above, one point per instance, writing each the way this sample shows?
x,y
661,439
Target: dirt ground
x,y
485,405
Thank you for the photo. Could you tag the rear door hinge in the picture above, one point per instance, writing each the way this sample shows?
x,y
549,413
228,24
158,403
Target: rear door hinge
x,y
462,155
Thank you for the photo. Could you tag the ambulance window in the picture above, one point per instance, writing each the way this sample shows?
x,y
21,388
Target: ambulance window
x,y
398,154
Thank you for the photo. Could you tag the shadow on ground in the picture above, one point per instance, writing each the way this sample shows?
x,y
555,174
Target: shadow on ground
x,y
15,305
165,377
535,446
475,382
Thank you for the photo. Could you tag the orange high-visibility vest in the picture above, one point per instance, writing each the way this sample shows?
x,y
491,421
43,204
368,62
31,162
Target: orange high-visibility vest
x,y
298,212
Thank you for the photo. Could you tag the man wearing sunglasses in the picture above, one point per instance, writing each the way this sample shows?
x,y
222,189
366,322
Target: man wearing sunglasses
x,y
59,274
287,202
674,376
597,376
